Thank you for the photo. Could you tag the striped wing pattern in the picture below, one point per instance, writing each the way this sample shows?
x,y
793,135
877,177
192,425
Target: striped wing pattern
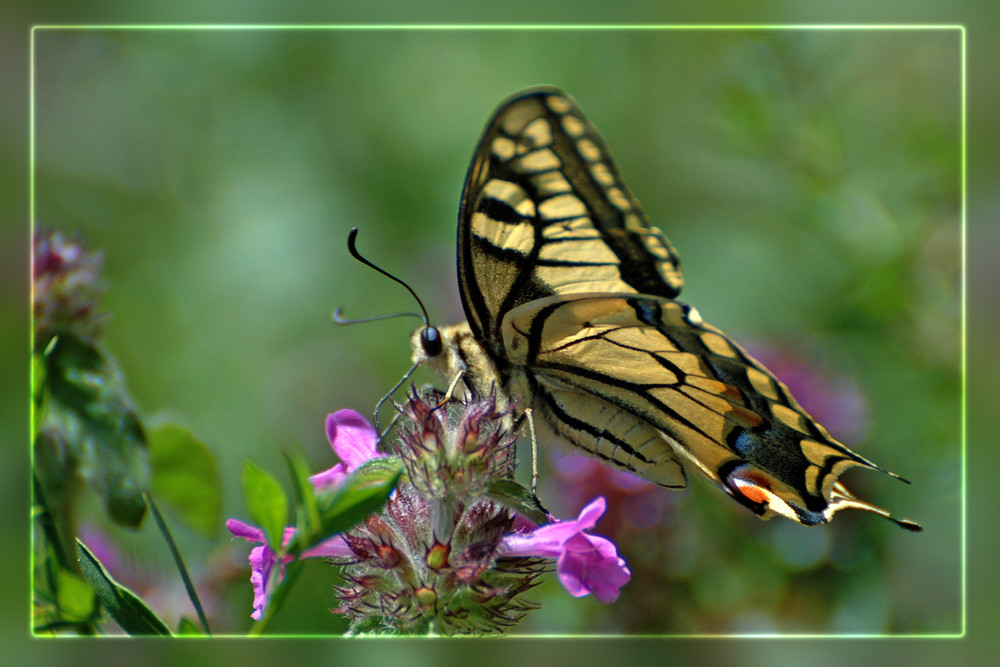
x,y
656,366
544,212
570,299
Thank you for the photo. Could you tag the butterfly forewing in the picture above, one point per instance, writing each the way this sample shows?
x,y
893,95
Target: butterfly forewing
x,y
545,212
569,295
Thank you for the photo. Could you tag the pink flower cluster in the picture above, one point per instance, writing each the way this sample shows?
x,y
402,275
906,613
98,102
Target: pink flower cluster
x,y
584,563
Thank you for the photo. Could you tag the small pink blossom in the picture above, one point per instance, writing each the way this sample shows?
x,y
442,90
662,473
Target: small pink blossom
x,y
353,440
263,560
584,563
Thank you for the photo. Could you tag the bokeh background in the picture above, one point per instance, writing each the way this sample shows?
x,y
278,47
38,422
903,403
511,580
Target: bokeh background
x,y
810,179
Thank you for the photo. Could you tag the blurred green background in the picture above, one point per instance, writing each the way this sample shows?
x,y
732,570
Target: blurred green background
x,y
810,180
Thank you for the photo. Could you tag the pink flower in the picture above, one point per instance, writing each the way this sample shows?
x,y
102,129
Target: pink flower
x,y
585,563
353,440
263,560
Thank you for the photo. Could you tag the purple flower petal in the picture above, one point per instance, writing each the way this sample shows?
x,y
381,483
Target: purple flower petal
x,y
329,479
334,547
353,440
548,540
263,560
591,513
585,563
245,530
590,564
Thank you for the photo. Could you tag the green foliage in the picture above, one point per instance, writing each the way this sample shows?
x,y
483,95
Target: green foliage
x,y
266,502
319,516
518,498
364,492
91,413
185,476
188,628
86,429
75,598
129,611
39,394
307,518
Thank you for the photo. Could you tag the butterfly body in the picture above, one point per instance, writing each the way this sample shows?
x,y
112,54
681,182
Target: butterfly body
x,y
570,298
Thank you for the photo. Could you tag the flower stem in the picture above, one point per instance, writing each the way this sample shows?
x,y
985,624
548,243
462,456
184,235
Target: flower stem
x,y
179,560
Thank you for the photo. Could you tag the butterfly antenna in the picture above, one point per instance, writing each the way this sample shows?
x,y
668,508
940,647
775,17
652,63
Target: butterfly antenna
x,y
353,249
340,319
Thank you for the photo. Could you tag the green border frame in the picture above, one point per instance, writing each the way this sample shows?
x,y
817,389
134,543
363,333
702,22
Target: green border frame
x,y
963,343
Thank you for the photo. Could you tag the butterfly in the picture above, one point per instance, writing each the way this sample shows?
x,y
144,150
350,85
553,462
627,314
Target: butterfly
x,y
570,299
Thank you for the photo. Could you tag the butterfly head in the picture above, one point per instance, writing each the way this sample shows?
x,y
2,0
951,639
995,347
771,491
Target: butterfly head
x,y
452,351
429,348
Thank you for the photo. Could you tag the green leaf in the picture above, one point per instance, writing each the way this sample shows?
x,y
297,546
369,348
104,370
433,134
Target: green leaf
x,y
189,628
307,508
39,393
88,404
75,597
186,477
512,495
266,502
129,611
55,471
362,493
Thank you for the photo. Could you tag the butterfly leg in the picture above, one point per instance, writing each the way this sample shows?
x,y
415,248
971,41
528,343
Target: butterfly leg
x,y
388,397
451,387
534,452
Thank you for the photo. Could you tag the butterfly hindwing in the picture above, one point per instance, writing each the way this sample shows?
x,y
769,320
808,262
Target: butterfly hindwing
x,y
705,398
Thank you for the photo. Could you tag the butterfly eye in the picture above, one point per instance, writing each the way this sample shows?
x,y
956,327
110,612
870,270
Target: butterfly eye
x,y
430,340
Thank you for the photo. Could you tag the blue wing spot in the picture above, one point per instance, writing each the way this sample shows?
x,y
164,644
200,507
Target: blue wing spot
x,y
647,310
742,442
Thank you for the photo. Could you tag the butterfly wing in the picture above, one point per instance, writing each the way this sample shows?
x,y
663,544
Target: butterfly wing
x,y
544,211
656,361
568,292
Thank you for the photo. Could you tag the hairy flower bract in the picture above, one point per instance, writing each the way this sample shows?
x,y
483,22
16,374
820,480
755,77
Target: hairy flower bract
x,y
444,555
